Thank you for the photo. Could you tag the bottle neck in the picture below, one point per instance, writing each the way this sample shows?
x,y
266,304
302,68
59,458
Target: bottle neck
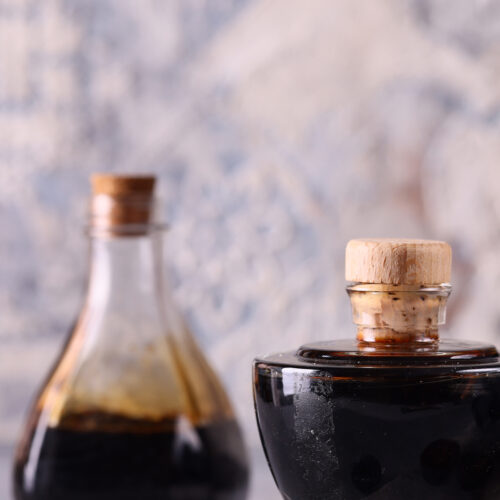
x,y
398,313
126,275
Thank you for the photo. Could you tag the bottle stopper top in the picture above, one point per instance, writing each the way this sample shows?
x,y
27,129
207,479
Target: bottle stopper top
x,y
122,200
395,261
123,185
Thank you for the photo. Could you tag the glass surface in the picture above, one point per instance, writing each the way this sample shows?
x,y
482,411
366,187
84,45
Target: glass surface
x,y
131,410
366,353
344,420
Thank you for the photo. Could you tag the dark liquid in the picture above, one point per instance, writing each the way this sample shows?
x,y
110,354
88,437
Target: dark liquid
x,y
389,433
193,463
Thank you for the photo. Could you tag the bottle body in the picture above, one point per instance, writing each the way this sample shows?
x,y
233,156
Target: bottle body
x,y
155,440
349,431
148,420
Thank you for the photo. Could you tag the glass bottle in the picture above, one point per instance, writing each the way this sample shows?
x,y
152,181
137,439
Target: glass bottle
x,y
131,409
396,413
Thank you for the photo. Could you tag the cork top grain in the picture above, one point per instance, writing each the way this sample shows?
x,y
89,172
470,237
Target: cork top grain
x,y
398,261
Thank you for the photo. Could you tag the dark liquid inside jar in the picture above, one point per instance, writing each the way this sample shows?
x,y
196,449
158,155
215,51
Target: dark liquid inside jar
x,y
133,460
345,421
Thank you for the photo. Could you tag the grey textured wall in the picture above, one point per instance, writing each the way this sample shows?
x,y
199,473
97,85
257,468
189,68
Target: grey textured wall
x,y
279,130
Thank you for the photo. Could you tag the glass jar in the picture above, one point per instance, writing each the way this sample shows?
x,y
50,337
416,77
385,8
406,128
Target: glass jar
x,y
396,413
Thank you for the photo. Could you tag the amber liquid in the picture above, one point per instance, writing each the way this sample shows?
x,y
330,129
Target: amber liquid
x,y
136,460
385,433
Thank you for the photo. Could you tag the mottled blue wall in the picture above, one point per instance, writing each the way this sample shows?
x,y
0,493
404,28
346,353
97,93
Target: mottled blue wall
x,y
279,130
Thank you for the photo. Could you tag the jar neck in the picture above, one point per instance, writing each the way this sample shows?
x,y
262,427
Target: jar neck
x,y
398,313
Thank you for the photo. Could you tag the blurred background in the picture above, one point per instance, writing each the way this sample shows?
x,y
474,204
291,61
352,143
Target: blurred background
x,y
279,130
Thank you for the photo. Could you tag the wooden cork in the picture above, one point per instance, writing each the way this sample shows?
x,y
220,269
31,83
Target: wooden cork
x,y
398,261
122,200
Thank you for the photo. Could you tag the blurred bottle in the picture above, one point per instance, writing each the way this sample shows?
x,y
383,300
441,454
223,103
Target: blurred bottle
x,y
131,410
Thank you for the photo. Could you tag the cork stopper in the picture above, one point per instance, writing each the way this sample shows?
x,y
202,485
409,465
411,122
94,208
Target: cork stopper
x,y
398,261
122,201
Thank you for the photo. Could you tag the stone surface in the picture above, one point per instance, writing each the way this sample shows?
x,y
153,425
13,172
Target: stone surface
x,y
279,131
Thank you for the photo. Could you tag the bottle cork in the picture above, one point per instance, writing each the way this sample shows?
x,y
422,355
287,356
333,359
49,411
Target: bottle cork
x,y
398,261
122,201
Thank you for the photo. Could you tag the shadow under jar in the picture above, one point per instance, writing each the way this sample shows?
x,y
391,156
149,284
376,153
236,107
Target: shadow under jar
x,y
396,413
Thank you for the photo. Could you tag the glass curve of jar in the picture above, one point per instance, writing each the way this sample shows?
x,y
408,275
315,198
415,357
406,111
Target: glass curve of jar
x,y
411,416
